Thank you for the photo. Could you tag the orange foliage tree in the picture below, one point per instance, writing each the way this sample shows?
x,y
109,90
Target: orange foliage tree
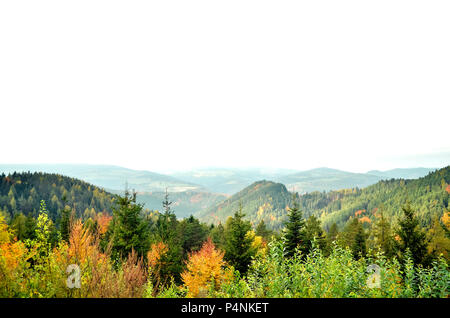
x,y
155,264
206,269
12,263
98,276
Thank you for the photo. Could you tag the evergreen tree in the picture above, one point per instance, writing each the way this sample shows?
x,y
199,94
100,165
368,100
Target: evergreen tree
x,y
193,233
30,228
128,231
383,235
217,234
313,231
263,231
238,248
168,232
294,231
354,237
18,225
332,233
359,242
167,222
412,238
439,242
65,223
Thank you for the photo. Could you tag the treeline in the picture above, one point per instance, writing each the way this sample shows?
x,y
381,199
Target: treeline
x,y
137,253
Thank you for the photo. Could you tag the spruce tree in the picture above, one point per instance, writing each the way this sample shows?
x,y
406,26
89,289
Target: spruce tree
x,y
261,230
168,232
411,236
294,231
332,233
383,235
313,231
359,242
238,248
65,223
129,230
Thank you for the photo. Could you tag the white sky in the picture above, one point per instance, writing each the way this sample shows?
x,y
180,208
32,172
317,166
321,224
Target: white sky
x,y
171,85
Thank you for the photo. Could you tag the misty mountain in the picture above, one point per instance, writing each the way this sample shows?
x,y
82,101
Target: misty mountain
x,y
269,201
407,173
108,177
229,180
184,203
326,179
262,200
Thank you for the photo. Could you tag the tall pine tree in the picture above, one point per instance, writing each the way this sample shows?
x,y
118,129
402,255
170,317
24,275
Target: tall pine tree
x,y
128,230
238,248
411,237
294,231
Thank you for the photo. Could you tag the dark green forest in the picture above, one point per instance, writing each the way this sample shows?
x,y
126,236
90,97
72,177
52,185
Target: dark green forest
x,y
23,192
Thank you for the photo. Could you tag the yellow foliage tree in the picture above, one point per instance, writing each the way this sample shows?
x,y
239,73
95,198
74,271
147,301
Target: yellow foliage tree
x,y
206,270
446,219
12,262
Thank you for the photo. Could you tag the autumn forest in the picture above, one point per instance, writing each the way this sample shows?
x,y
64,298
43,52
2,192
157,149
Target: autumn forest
x,y
63,237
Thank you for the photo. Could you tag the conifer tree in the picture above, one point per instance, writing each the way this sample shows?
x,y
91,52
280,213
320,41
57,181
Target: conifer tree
x,y
313,231
238,248
65,223
294,232
359,242
332,233
168,232
439,241
129,230
411,237
383,235
261,230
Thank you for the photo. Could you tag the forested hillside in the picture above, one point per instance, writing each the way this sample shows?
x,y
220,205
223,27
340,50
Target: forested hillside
x,y
263,200
23,192
428,196
268,201
107,177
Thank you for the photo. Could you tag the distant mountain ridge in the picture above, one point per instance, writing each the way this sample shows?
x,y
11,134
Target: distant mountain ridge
x,y
109,177
326,179
262,200
231,181
269,201
402,173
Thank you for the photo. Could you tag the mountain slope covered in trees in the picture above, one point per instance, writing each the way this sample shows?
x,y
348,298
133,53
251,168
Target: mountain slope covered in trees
x,y
428,196
23,192
267,200
263,200
108,177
